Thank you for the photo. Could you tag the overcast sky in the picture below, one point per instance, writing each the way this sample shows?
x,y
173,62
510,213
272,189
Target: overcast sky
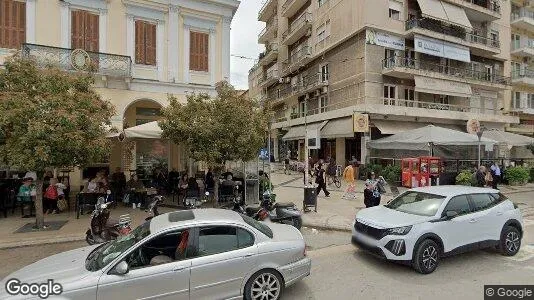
x,y
244,41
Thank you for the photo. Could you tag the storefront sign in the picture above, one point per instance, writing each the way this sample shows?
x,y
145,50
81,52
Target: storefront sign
x,y
361,122
384,39
314,138
441,48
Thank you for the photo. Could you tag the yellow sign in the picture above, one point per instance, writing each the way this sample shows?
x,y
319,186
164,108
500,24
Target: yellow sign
x,y
360,122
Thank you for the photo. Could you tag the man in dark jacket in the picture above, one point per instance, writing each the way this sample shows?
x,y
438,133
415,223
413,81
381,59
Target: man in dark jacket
x,y
481,176
321,181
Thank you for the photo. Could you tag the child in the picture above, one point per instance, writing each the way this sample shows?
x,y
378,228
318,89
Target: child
x,y
50,197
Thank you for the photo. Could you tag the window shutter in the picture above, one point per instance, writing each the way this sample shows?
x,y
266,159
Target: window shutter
x,y
12,24
150,32
91,32
205,58
77,29
199,48
139,42
192,51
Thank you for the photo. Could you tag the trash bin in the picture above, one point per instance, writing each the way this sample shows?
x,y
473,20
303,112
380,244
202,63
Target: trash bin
x,y
310,199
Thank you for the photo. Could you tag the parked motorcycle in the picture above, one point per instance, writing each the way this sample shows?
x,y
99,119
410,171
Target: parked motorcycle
x,y
104,229
285,213
195,201
152,208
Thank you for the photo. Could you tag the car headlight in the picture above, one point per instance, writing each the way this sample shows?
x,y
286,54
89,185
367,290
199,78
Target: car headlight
x,y
399,230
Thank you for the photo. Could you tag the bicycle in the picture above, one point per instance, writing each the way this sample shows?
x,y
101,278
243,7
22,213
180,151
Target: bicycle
x,y
335,180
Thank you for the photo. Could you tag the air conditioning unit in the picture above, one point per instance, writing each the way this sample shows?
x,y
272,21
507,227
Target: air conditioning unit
x,y
317,93
324,90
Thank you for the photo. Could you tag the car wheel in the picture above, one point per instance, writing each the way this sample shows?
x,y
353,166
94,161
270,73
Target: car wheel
x,y
264,285
510,241
297,222
426,258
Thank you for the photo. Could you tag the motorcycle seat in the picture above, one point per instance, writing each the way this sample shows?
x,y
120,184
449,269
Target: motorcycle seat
x,y
284,204
251,210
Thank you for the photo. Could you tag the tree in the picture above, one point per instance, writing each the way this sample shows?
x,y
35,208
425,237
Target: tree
x,y
50,118
226,128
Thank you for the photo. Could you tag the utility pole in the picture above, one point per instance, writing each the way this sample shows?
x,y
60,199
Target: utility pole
x,y
306,163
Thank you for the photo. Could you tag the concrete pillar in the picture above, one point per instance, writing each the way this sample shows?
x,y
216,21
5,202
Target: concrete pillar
x,y
340,152
365,138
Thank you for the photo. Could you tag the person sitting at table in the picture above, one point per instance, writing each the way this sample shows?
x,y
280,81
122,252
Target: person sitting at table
x,y
25,196
182,186
92,186
133,186
229,181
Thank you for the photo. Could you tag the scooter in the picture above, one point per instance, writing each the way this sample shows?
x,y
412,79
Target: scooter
x,y
104,229
285,213
153,207
192,202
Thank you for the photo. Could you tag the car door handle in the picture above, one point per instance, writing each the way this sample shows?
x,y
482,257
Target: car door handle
x,y
473,221
499,213
248,255
178,269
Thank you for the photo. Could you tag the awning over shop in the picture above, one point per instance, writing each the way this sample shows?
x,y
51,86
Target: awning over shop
x,y
456,14
149,130
433,9
508,138
298,132
338,128
394,127
442,87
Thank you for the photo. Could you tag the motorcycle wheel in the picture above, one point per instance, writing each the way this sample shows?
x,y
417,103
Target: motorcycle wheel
x,y
297,222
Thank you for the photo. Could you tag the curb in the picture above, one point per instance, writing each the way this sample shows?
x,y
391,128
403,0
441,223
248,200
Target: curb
x,y
327,227
33,243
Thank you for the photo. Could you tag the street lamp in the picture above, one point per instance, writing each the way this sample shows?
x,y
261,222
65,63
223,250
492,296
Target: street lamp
x,y
479,135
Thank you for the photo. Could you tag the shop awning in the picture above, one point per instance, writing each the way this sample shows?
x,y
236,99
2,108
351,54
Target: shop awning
x,y
150,130
394,127
298,132
456,14
338,128
433,9
508,138
442,87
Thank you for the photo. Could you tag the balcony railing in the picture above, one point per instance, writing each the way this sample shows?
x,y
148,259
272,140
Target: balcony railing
x,y
299,55
466,73
528,44
522,74
452,30
492,5
522,13
299,22
271,23
63,58
265,5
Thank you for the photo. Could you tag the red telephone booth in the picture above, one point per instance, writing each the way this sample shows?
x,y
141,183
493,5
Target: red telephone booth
x,y
410,172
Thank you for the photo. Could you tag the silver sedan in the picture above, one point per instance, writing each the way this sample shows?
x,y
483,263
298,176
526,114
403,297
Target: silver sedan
x,y
194,254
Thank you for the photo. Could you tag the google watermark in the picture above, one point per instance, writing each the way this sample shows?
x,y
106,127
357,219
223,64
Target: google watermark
x,y
43,290
520,292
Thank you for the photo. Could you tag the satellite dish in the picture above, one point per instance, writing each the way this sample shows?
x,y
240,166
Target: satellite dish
x,y
473,126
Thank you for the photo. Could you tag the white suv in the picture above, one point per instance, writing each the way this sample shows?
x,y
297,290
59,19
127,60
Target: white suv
x,y
424,224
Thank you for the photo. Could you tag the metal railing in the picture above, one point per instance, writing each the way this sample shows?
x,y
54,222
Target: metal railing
x,y
492,5
306,17
299,55
522,73
528,44
269,48
270,74
451,30
264,6
466,73
271,23
99,63
522,13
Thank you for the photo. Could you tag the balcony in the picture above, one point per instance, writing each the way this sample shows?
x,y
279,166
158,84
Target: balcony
x,y
481,10
106,64
406,68
522,19
523,49
290,7
267,10
270,54
297,29
271,77
523,77
270,31
452,33
297,59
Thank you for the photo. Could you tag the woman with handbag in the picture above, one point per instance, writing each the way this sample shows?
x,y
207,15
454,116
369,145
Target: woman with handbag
x,y
373,189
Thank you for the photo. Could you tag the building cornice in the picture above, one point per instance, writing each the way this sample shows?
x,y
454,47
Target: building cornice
x,y
142,85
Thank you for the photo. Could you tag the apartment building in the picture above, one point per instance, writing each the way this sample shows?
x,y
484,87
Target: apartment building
x,y
356,70
142,51
522,61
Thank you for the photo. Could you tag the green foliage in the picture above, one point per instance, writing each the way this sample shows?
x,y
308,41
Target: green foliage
x,y
364,169
517,175
531,174
50,117
228,127
392,174
465,177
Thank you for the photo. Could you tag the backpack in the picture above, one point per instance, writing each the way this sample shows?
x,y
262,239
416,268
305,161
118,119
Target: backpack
x,y
51,192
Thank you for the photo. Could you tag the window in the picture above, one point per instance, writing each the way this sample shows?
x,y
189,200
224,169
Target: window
x,y
198,51
481,201
324,73
12,24
494,37
459,204
516,41
395,8
145,43
417,203
323,102
219,239
259,225
84,31
321,32
409,96
390,92
302,108
147,111
517,100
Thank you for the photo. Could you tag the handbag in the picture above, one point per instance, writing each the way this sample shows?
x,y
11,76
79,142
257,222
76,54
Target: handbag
x,y
62,204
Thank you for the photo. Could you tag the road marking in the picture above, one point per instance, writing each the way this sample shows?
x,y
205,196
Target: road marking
x,y
525,253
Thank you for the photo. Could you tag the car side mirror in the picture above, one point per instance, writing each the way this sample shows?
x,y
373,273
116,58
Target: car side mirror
x,y
451,214
121,268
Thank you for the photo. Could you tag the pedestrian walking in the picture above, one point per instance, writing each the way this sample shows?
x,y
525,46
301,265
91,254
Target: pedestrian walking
x,y
321,181
286,163
350,179
480,177
496,173
371,192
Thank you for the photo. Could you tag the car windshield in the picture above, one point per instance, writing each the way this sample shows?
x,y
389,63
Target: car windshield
x,y
259,226
105,253
417,203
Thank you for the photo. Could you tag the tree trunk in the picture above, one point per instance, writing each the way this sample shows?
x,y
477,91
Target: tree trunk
x,y
39,217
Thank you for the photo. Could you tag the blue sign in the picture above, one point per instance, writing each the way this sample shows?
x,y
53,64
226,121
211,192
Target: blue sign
x,y
263,153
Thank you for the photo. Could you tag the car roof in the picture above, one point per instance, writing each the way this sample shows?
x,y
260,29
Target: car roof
x,y
453,190
193,216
